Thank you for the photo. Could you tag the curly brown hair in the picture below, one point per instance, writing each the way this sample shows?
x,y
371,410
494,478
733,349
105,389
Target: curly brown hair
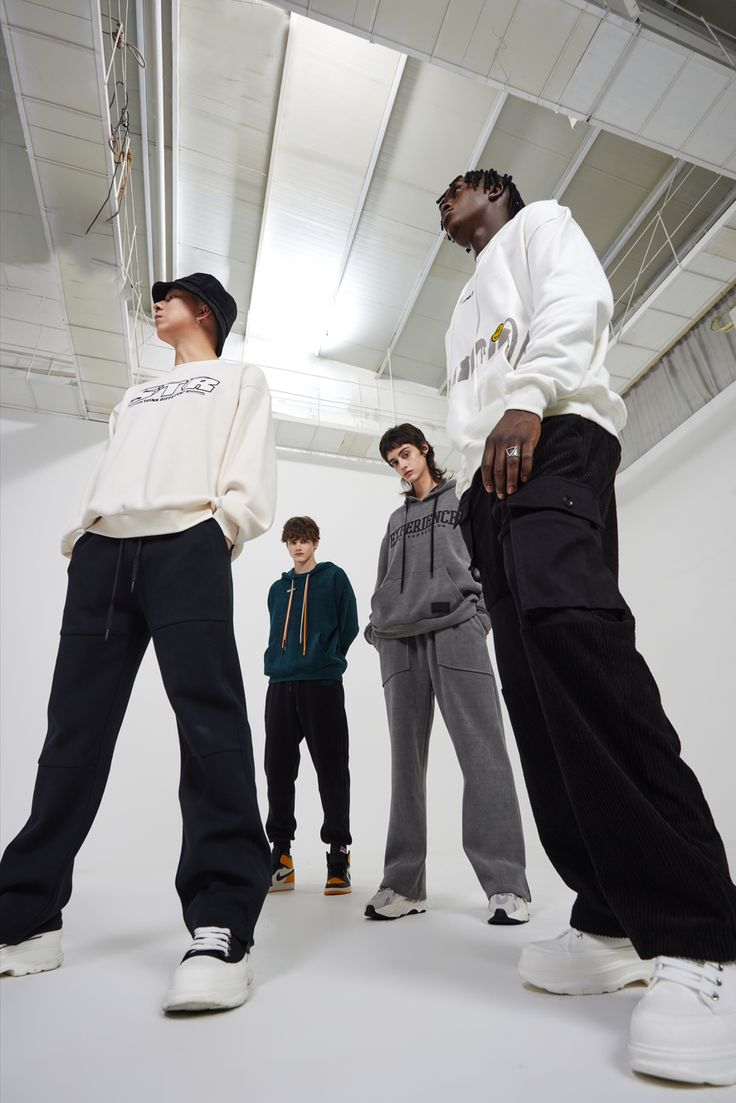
x,y
300,528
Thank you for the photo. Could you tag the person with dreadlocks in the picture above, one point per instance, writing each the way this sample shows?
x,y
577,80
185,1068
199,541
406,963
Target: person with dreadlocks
x,y
314,620
429,626
621,816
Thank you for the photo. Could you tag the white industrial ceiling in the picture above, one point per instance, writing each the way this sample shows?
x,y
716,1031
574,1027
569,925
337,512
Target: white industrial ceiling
x,y
296,150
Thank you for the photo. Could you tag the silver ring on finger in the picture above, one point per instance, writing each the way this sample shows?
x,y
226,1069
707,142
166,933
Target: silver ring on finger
x,y
513,451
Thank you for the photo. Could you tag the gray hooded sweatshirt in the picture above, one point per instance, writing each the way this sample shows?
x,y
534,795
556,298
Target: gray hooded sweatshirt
x,y
424,581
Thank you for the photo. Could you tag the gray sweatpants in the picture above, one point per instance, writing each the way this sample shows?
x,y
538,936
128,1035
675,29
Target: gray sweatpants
x,y
452,665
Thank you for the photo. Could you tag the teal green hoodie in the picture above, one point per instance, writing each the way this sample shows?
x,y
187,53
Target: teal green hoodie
x,y
314,620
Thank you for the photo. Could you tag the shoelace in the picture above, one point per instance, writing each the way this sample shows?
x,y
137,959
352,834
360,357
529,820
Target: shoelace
x,y
211,939
702,976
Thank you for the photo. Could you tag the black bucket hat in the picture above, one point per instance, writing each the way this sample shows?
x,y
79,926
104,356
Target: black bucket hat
x,y
209,289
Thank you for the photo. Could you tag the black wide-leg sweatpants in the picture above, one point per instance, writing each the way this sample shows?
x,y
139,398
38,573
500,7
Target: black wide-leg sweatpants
x,y
621,816
177,590
315,712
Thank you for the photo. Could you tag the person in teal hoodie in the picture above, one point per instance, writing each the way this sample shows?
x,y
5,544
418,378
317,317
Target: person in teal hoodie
x,y
314,620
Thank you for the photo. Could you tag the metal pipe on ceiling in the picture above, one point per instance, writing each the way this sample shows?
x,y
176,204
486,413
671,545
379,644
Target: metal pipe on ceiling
x,y
143,92
160,260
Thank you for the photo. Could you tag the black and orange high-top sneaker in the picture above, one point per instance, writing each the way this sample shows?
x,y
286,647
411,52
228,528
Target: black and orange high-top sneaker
x,y
338,872
283,878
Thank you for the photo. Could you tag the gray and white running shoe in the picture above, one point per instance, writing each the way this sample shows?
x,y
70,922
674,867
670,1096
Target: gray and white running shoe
x,y
507,909
387,904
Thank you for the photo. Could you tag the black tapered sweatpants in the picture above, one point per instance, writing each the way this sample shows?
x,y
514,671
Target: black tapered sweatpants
x,y
621,816
315,712
177,590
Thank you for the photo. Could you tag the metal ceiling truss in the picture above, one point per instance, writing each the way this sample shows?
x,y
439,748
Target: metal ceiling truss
x,y
672,264
693,246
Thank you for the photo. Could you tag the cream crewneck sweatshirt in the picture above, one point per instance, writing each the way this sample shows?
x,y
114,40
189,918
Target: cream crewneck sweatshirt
x,y
530,332
197,444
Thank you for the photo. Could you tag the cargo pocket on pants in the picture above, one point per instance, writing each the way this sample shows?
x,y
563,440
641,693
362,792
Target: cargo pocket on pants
x,y
553,549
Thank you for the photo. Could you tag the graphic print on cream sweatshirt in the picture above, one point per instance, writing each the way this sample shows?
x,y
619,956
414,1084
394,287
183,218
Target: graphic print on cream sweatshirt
x,y
197,444
530,332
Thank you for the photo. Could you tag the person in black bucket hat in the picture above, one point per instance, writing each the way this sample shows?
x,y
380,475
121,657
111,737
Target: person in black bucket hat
x,y
211,293
187,477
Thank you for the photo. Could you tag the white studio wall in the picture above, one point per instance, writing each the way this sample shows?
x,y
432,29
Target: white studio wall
x,y
678,538
46,463
677,529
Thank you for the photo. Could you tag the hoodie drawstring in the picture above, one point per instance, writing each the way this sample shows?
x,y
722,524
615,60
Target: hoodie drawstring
x,y
288,614
403,544
431,541
302,619
303,625
111,606
133,576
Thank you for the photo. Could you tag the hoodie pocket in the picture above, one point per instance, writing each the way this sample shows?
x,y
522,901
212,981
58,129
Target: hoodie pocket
x,y
393,655
463,647
424,597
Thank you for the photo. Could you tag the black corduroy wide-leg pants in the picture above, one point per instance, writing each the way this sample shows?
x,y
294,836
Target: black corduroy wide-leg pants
x,y
177,590
619,813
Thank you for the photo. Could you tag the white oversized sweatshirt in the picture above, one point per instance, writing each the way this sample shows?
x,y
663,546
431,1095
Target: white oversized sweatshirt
x,y
197,444
530,332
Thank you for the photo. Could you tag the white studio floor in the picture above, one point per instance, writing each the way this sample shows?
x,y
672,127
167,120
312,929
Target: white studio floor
x,y
428,1008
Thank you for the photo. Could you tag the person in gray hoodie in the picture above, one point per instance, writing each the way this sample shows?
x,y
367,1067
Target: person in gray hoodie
x,y
429,626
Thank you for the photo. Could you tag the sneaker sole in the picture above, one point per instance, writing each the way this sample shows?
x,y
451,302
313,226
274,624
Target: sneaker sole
x,y
371,913
285,887
25,968
44,955
500,918
337,892
202,1000
608,978
696,1068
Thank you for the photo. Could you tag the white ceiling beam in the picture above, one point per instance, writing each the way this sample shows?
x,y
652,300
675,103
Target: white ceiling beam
x,y
429,260
380,135
43,214
582,152
334,93
285,73
659,190
595,55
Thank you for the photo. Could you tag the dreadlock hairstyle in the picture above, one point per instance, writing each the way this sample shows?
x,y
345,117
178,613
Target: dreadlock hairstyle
x,y
489,178
399,435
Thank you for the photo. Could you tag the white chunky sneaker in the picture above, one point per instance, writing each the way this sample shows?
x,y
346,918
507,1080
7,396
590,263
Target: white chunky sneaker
x,y
387,904
34,955
214,973
507,909
684,1027
580,964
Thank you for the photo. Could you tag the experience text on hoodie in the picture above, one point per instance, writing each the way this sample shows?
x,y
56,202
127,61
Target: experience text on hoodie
x,y
424,582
